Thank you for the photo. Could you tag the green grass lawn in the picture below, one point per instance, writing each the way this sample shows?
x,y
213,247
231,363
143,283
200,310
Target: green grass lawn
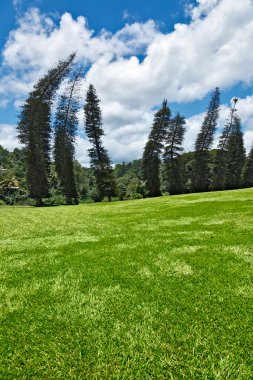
x,y
146,289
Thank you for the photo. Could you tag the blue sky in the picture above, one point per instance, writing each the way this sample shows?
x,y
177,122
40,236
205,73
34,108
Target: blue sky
x,y
137,52
109,14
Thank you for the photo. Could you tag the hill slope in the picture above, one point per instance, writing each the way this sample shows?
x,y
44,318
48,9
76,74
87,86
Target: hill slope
x,y
144,289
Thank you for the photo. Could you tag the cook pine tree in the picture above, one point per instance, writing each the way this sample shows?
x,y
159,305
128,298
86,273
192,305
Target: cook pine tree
x,y
99,158
34,129
204,141
172,155
248,172
153,149
220,162
235,156
65,126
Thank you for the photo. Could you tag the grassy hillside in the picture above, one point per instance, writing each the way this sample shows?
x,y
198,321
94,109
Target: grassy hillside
x,y
145,289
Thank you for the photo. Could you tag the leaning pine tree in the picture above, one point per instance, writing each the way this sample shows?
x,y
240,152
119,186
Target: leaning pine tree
x,y
248,172
35,130
65,125
172,155
99,158
235,156
200,171
153,150
220,164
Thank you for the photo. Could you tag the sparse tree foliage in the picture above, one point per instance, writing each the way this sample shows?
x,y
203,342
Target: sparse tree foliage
x,y
235,156
35,130
172,153
220,164
66,123
153,150
99,158
200,170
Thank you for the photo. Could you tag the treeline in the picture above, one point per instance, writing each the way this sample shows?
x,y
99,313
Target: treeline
x,y
36,129
14,187
46,172
128,178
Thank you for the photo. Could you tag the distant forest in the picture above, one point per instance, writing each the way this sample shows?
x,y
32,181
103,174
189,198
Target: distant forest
x,y
45,171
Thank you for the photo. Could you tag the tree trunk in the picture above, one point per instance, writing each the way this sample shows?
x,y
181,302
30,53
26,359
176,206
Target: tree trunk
x,y
39,202
68,200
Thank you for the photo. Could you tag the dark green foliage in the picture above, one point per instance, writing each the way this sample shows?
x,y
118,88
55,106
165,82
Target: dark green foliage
x,y
153,149
66,123
205,137
4,157
220,165
35,130
37,148
134,166
235,155
172,153
151,174
9,186
200,170
18,163
99,158
130,186
219,170
82,178
129,180
248,172
13,186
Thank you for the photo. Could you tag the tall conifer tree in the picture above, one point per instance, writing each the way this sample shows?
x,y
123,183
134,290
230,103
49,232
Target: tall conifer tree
x,y
200,171
248,172
153,150
35,130
99,158
220,164
235,156
172,152
66,123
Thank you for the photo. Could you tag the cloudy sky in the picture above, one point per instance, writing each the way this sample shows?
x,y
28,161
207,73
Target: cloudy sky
x,y
136,53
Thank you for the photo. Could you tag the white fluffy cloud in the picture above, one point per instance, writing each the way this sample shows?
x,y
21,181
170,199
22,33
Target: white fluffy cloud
x,y
38,43
185,64
8,136
182,66
203,8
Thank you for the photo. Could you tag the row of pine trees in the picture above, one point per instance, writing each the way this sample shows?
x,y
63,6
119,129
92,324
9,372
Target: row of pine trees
x,y
35,132
164,146
231,169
